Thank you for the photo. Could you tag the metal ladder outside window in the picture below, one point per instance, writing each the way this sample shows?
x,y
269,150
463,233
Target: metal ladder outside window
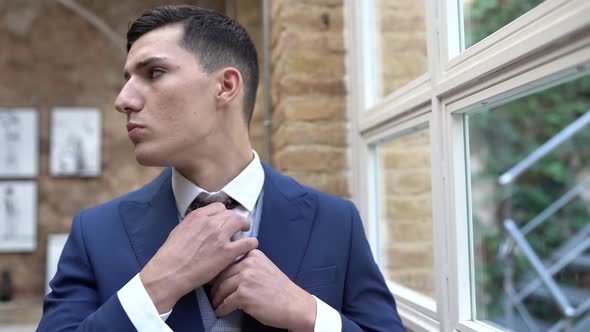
x,y
540,283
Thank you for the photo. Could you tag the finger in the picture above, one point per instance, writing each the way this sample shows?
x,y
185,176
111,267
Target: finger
x,y
230,271
257,253
222,217
224,288
229,304
234,224
242,246
210,210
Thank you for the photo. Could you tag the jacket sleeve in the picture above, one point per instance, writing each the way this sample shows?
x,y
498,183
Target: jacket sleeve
x,y
368,304
73,304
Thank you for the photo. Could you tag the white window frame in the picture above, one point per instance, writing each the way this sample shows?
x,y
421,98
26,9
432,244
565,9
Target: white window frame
x,y
542,47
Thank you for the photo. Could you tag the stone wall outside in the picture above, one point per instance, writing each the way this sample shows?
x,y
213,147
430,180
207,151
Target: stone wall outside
x,y
406,218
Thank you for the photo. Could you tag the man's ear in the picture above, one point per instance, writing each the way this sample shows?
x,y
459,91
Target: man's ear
x,y
230,85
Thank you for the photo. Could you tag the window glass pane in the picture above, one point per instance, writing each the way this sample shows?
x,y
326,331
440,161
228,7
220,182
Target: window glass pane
x,y
401,40
537,222
405,211
481,18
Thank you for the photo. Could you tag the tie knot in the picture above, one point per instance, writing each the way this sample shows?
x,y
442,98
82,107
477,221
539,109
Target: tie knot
x,y
204,199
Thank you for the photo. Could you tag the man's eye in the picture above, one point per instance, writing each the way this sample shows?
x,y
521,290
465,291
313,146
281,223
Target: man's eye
x,y
155,73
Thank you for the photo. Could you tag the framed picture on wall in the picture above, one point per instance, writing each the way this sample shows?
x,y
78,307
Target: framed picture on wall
x,y
55,245
19,142
75,142
18,216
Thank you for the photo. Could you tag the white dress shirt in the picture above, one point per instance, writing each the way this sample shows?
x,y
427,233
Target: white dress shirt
x,y
245,188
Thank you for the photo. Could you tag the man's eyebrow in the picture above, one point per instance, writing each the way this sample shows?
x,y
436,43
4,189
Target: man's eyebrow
x,y
143,63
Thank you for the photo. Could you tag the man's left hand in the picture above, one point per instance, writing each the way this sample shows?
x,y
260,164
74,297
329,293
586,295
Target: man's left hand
x,y
259,288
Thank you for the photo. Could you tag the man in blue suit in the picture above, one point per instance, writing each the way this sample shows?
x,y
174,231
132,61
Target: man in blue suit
x,y
219,241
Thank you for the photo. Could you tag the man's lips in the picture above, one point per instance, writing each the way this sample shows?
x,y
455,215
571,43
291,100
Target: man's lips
x,y
135,132
131,126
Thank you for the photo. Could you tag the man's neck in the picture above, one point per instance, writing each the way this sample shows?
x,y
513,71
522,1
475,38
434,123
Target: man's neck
x,y
212,174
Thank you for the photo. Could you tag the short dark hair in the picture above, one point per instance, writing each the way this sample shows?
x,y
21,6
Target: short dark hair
x,y
216,40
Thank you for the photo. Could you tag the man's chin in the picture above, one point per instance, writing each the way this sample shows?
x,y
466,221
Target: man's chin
x,y
150,163
149,160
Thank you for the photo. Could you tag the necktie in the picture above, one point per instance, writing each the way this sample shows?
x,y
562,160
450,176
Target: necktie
x,y
231,322
204,199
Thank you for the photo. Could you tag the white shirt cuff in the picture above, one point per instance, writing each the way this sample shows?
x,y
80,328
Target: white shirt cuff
x,y
327,319
140,309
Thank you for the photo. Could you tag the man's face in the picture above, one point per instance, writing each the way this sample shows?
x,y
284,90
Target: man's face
x,y
168,99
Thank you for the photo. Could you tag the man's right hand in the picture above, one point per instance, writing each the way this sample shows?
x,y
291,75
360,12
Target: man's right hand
x,y
197,250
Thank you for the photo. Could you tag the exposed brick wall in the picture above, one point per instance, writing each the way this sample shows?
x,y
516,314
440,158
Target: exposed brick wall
x,y
249,14
308,93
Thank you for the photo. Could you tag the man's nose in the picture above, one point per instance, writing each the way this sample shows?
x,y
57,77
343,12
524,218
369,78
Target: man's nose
x,y
128,100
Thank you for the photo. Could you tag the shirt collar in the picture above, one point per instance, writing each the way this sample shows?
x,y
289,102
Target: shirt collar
x,y
244,188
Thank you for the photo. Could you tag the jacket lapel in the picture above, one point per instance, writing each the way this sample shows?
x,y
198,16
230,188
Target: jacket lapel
x,y
148,223
287,220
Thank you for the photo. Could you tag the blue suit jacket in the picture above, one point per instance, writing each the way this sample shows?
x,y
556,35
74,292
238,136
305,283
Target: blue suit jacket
x,y
317,240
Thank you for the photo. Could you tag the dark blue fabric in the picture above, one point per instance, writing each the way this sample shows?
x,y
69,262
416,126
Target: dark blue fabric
x,y
316,239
